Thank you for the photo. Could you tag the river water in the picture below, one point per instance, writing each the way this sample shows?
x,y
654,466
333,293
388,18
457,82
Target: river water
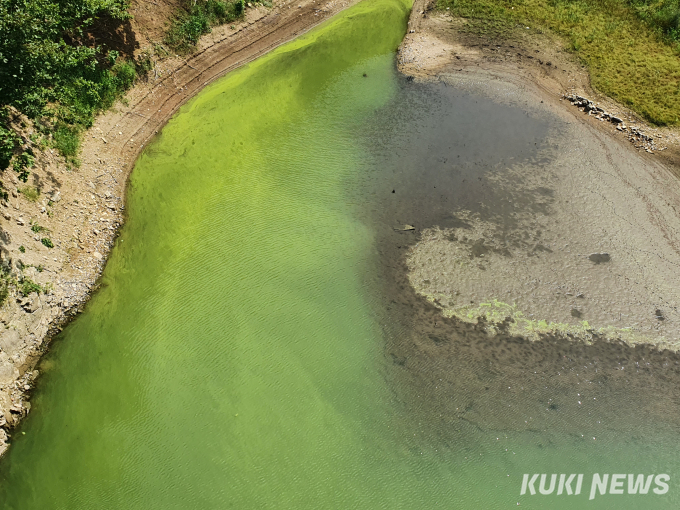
x,y
254,345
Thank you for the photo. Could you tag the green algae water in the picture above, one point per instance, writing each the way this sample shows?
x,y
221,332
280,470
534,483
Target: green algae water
x,y
235,356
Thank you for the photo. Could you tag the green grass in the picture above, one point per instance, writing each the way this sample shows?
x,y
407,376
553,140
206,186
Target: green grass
x,y
67,140
37,228
27,286
5,281
631,47
30,193
198,19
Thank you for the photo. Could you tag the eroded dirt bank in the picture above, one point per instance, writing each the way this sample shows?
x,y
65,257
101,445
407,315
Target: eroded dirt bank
x,y
81,209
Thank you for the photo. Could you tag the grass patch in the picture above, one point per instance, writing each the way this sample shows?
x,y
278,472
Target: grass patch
x,y
27,286
46,241
37,228
30,193
631,47
5,281
200,16
66,139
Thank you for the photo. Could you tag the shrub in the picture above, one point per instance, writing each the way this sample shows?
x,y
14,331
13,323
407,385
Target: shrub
x,y
28,286
5,280
201,15
67,140
47,242
46,72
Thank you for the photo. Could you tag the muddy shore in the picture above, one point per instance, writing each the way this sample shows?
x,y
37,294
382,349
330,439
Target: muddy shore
x,y
535,294
82,208
585,239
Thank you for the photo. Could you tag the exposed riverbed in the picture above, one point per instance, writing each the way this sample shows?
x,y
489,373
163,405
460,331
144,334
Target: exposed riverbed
x,y
257,344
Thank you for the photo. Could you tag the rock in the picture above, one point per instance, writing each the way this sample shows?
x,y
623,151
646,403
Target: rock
x,y
20,221
56,196
599,258
7,216
659,315
576,313
405,228
97,255
615,120
30,303
8,372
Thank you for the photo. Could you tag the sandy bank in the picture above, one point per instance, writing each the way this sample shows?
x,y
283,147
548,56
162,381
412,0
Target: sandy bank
x,y
83,208
533,260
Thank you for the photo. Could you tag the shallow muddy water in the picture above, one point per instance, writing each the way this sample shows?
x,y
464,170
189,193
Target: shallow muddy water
x,y
256,344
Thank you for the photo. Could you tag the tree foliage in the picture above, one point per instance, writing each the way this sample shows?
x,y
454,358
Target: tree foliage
x,y
48,74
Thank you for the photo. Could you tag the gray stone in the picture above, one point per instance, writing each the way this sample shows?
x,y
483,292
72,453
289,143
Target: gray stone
x,y
8,373
10,342
599,258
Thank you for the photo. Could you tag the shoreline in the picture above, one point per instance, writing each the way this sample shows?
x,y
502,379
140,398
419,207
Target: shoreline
x,y
84,208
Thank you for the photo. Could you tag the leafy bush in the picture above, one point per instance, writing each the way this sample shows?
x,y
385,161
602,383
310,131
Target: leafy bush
x,y
5,280
47,242
201,15
9,141
48,74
